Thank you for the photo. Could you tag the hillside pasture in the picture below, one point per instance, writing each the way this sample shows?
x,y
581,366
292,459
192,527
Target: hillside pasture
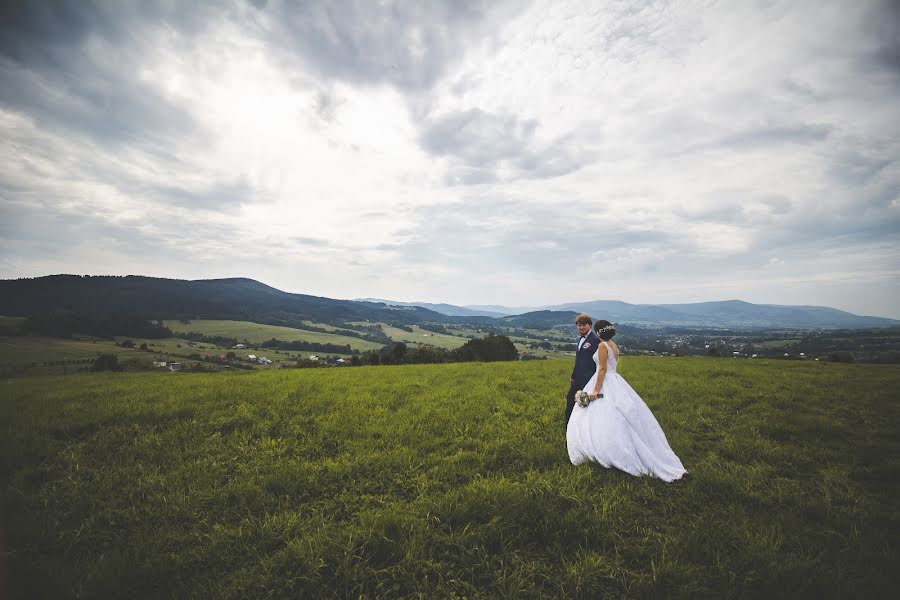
x,y
440,481
420,336
256,333
38,355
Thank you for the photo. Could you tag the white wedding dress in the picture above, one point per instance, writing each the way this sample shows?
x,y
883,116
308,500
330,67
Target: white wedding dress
x,y
618,430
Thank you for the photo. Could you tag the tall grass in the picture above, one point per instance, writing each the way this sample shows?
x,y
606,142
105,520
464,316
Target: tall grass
x,y
448,481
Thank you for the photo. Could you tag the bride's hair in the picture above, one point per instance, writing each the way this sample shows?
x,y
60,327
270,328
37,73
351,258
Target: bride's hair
x,y
604,330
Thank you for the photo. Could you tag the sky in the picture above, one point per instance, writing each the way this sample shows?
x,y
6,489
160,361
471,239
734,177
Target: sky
x,y
510,153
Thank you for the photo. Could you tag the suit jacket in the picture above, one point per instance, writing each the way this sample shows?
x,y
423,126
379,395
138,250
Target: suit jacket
x,y
585,367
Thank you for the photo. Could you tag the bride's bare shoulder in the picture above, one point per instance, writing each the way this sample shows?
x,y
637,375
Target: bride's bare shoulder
x,y
615,348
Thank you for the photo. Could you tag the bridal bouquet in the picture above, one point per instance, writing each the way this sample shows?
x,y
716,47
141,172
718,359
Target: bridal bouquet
x,y
581,398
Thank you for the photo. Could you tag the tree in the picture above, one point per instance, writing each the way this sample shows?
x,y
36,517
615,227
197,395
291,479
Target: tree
x,y
487,349
106,362
843,356
392,354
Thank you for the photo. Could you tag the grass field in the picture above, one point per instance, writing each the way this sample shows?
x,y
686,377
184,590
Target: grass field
x,y
442,481
40,356
37,349
257,332
423,336
37,355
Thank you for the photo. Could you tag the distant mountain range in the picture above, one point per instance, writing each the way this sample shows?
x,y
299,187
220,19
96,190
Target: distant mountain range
x,y
249,300
727,313
730,313
446,309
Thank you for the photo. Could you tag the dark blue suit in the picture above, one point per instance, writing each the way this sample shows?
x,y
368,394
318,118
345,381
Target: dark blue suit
x,y
583,371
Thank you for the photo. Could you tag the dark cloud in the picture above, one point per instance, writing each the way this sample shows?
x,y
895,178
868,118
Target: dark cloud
x,y
73,66
854,168
481,144
107,106
739,207
492,233
404,44
224,196
48,34
882,30
777,204
308,241
327,103
44,231
770,136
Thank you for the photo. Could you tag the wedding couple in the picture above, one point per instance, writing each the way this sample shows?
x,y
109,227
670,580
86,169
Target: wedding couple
x,y
614,427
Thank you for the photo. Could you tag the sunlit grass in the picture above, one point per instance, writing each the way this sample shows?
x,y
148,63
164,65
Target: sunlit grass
x,y
450,480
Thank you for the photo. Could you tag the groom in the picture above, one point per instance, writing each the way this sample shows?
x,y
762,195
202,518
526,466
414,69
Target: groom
x,y
584,361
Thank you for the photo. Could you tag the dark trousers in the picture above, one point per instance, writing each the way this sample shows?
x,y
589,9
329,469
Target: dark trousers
x,y
570,400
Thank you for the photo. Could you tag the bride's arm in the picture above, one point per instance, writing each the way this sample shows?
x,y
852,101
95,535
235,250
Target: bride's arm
x,y
601,371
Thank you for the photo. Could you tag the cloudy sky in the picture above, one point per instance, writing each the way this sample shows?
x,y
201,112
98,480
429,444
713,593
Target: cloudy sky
x,y
518,153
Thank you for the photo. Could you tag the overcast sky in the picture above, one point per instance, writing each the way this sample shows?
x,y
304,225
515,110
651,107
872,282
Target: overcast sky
x,y
472,153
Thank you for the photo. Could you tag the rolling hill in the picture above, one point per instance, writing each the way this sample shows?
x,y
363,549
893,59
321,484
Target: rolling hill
x,y
244,299
728,313
154,298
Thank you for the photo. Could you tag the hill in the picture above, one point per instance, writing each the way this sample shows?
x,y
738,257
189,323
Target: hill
x,y
446,309
224,299
728,313
447,481
248,300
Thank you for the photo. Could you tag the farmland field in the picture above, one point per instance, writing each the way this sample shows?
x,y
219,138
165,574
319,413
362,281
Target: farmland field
x,y
423,336
257,332
30,349
437,481
38,355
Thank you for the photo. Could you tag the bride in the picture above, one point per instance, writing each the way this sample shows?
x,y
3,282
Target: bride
x,y
616,429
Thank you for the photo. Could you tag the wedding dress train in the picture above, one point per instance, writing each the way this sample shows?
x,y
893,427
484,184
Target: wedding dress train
x,y
618,430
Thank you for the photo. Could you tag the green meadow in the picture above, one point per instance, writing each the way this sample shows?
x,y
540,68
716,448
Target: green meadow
x,y
38,355
421,336
257,332
448,481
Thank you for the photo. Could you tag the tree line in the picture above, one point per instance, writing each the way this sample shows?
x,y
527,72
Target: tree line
x,y
487,349
66,325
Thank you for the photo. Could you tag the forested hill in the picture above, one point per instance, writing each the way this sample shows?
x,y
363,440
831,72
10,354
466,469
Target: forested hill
x,y
154,298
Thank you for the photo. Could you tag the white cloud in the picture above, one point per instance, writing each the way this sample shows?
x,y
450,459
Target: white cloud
x,y
477,153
